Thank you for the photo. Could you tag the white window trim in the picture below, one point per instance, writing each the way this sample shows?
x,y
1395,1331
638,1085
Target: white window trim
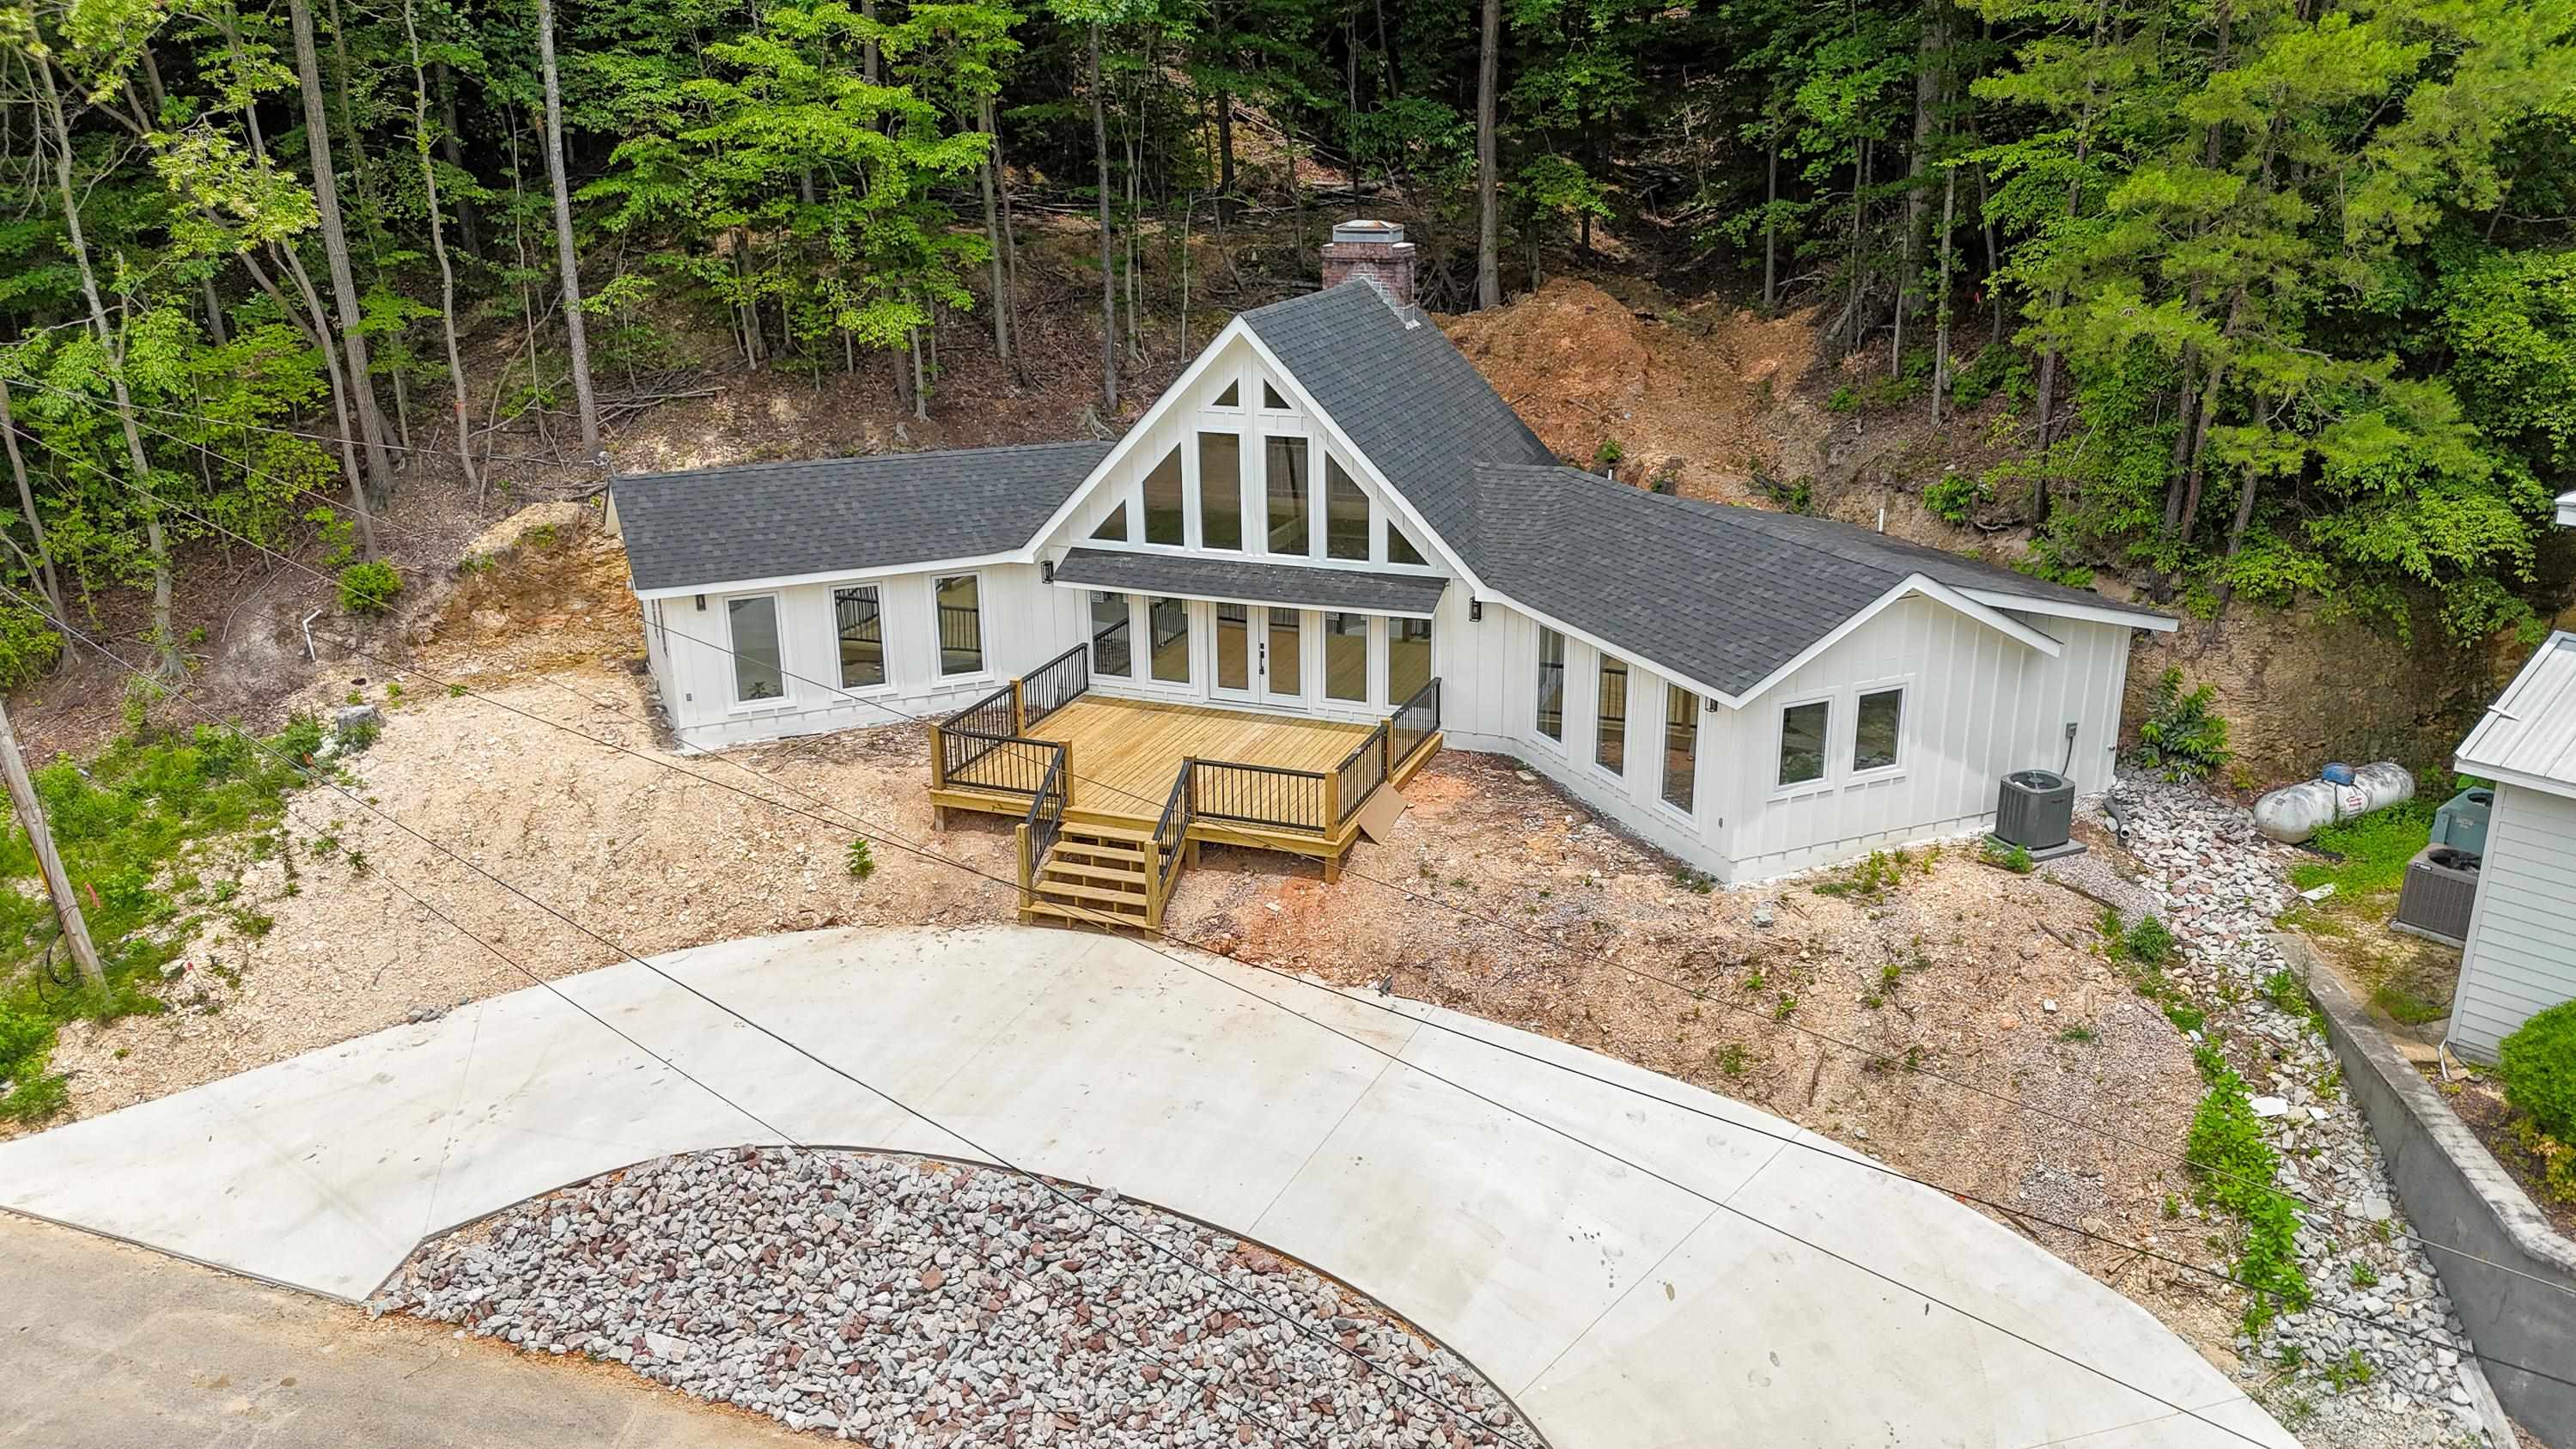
x,y
1090,637
1247,458
1627,721
983,670
1565,688
885,641
1663,759
1825,782
1200,669
1903,684
734,702
1262,434
1371,627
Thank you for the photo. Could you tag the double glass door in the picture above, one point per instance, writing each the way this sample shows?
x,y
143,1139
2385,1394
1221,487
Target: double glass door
x,y
1260,654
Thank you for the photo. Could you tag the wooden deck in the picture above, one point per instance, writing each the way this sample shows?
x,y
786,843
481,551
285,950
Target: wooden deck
x,y
1123,754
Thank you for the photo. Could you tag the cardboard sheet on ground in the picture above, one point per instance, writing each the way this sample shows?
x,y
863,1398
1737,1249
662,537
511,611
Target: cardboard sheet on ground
x,y
1378,816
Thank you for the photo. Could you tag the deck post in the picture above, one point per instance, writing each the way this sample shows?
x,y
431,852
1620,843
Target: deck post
x,y
1387,749
938,759
1019,707
1333,868
1028,868
1332,801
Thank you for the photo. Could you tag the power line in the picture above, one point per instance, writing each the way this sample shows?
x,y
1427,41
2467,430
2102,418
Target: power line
x,y
1716,1204
1697,994
1333,1345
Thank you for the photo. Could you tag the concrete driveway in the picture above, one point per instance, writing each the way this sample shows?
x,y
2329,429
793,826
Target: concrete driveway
x,y
1621,1311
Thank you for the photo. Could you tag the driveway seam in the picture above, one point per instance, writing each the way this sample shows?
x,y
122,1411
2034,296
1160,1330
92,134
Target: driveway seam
x,y
1321,1142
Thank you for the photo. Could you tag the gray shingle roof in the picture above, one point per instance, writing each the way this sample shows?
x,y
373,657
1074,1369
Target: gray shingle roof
x,y
1251,581
1719,594
1412,401
715,526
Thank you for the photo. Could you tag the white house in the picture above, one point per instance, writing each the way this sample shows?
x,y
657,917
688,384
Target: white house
x,y
1326,513
2519,956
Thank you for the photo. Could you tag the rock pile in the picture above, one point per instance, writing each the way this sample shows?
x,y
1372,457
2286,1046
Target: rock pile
x,y
2376,1359
903,1302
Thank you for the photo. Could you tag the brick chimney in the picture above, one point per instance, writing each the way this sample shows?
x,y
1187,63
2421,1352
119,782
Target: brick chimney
x,y
1373,249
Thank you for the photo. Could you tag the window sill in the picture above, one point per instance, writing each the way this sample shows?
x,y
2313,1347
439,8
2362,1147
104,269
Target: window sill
x,y
1800,791
784,704
1873,777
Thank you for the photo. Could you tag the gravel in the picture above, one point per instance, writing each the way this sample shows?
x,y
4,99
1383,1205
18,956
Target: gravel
x,y
902,1302
2376,1360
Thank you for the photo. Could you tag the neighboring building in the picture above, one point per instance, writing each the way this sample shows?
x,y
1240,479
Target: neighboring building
x,y
2521,951
1326,513
2567,510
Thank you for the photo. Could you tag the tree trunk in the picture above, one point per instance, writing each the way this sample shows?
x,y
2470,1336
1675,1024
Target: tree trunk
x,y
869,57
1771,225
214,309
469,228
47,582
58,882
344,286
1108,250
1224,111
1489,51
173,666
1927,101
1941,298
993,237
576,334
438,248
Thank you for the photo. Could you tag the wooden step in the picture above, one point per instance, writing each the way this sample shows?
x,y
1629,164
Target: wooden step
x,y
1133,875
1105,849
1076,916
1058,889
1107,832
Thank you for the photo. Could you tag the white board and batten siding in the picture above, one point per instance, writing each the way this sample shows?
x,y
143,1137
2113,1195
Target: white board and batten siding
x,y
1978,705
1025,622
2521,953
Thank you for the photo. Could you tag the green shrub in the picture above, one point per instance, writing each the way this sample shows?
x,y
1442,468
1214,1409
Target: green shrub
x,y
2148,942
2538,1064
2236,1168
368,589
861,860
28,647
2181,736
1955,496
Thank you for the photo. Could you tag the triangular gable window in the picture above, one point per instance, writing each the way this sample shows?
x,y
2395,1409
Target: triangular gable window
x,y
1271,399
1400,549
1114,527
1230,398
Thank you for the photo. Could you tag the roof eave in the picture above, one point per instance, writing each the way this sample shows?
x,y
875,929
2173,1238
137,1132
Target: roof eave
x,y
828,576
2106,612
1912,584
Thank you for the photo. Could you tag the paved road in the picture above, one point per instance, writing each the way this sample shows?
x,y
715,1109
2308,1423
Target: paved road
x,y
111,1347
1750,1285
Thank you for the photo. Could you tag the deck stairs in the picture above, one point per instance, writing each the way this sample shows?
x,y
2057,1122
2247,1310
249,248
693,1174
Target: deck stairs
x,y
1097,875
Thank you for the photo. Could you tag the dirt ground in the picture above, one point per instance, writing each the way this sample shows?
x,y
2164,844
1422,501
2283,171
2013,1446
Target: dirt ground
x,y
1700,399
1495,895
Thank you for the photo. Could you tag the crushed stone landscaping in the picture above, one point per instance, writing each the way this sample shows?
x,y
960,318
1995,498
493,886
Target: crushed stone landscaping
x,y
2377,1358
901,1301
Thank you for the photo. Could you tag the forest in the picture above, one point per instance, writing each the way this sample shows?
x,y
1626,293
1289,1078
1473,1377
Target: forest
x,y
2278,296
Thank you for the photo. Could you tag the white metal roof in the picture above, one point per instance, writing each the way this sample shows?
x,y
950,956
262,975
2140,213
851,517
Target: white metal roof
x,y
2529,734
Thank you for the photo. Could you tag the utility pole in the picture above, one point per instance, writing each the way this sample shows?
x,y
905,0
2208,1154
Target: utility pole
x,y
31,814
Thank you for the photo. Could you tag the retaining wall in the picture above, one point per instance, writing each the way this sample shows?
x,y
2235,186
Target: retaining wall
x,y
2455,1193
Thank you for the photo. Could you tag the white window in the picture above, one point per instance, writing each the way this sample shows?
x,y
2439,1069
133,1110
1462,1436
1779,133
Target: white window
x,y
1168,621
1289,493
1551,684
1408,659
1271,399
1804,728
961,624
1878,730
1162,502
862,627
1681,747
1232,397
1346,657
1610,716
1113,648
759,666
1346,514
1220,491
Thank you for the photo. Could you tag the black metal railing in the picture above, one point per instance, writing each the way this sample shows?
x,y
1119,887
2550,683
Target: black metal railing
x,y
1362,770
1053,685
1045,821
1259,795
1414,721
1172,835
1109,652
969,736
1003,764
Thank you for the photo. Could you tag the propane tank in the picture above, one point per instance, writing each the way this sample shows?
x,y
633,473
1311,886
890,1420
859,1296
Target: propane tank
x,y
2294,813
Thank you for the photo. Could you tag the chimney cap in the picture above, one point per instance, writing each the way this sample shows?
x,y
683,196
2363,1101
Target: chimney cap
x,y
1368,230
